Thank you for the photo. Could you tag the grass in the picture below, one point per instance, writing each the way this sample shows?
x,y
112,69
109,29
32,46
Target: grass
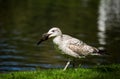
x,y
99,72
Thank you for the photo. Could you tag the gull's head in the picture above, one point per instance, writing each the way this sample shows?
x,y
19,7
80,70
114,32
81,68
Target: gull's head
x,y
53,32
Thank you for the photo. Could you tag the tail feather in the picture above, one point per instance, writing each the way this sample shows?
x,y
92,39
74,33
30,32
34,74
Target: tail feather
x,y
99,52
103,52
95,50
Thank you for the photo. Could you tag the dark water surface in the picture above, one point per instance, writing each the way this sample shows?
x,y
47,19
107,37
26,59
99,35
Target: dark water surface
x,y
22,23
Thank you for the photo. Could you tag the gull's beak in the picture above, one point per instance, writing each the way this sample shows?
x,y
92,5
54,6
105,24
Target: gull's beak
x,y
45,36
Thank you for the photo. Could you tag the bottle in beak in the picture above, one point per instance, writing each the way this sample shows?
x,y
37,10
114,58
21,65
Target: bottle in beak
x,y
45,36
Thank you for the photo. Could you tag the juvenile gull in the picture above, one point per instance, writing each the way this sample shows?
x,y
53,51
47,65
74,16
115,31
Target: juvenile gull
x,y
69,45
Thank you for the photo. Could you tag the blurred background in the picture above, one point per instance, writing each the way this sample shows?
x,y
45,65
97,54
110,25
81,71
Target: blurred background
x,y
22,22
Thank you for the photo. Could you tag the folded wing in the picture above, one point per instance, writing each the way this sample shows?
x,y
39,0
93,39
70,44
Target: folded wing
x,y
82,48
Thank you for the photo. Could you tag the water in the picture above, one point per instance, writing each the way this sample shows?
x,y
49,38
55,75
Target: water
x,y
23,22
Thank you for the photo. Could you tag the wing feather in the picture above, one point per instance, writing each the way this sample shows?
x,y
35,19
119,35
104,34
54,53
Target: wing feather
x,y
80,47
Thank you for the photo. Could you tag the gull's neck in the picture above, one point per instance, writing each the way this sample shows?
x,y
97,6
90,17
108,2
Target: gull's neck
x,y
58,39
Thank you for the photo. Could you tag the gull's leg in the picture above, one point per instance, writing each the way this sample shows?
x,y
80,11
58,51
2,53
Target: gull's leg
x,y
66,65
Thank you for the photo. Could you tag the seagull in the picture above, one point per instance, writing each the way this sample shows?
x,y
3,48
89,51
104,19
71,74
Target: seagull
x,y
69,45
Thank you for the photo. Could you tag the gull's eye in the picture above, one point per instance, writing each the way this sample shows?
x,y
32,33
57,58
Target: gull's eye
x,y
53,30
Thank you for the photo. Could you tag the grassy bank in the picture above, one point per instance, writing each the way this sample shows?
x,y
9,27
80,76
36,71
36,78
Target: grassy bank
x,y
101,72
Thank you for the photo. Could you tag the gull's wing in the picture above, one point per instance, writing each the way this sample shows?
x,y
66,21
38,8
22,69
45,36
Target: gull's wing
x,y
80,47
